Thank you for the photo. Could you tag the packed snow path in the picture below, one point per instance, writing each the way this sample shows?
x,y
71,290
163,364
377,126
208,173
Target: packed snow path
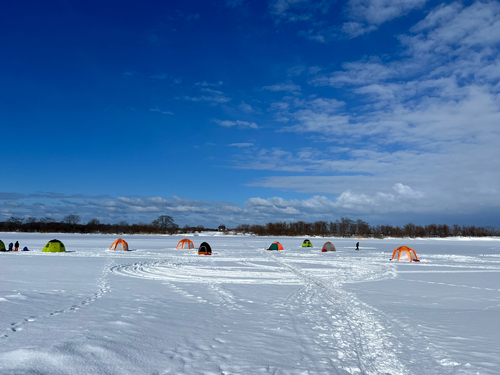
x,y
244,310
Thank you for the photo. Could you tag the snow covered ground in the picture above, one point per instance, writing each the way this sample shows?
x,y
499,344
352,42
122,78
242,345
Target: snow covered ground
x,y
244,310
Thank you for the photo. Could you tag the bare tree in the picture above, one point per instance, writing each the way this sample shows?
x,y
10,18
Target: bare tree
x,y
363,228
71,219
95,221
14,223
165,223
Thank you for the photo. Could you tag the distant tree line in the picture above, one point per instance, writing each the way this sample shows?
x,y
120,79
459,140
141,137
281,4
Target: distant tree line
x,y
345,227
164,224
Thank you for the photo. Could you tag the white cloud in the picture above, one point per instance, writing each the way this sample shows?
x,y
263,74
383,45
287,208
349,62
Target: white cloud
x,y
286,9
206,84
376,12
210,95
287,86
424,122
296,70
244,107
313,70
355,29
323,115
347,202
384,201
211,91
447,80
442,14
406,191
238,123
362,16
454,31
360,73
274,159
159,76
160,111
213,100
12,204
367,15
244,144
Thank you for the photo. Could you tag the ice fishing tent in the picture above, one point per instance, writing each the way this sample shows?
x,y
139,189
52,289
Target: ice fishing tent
x,y
307,243
405,254
328,246
2,246
185,244
54,246
204,249
276,246
121,244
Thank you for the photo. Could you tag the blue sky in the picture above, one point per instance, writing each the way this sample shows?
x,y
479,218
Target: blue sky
x,y
244,111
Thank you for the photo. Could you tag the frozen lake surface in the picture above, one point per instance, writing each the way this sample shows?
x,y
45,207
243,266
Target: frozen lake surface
x,y
244,310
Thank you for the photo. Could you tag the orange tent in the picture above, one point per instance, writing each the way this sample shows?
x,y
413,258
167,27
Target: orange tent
x,y
119,241
185,244
404,253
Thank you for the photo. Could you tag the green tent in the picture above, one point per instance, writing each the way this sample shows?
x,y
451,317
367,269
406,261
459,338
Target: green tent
x,y
54,246
2,246
275,246
307,243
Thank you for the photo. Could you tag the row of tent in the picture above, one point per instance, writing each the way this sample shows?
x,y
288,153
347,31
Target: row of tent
x,y
186,243
56,246
204,248
402,253
328,246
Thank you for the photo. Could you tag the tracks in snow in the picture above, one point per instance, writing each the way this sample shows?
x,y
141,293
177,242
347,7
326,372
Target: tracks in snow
x,y
103,288
349,335
352,337
339,333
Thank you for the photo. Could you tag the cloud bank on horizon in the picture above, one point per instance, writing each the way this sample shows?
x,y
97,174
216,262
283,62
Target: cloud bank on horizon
x,y
384,110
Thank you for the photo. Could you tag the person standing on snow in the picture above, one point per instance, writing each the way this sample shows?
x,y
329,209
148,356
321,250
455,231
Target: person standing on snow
x,y
357,246
16,246
10,246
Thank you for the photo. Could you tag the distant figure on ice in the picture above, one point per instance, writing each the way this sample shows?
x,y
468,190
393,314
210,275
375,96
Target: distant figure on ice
x,y
25,248
16,246
11,245
357,246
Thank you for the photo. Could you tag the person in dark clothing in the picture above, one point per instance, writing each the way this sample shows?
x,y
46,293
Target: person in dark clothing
x,y
357,246
11,245
16,246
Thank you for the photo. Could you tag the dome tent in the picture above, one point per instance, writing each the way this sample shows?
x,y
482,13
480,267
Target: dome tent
x,y
276,246
54,246
185,244
2,246
307,243
119,242
405,254
204,249
328,246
